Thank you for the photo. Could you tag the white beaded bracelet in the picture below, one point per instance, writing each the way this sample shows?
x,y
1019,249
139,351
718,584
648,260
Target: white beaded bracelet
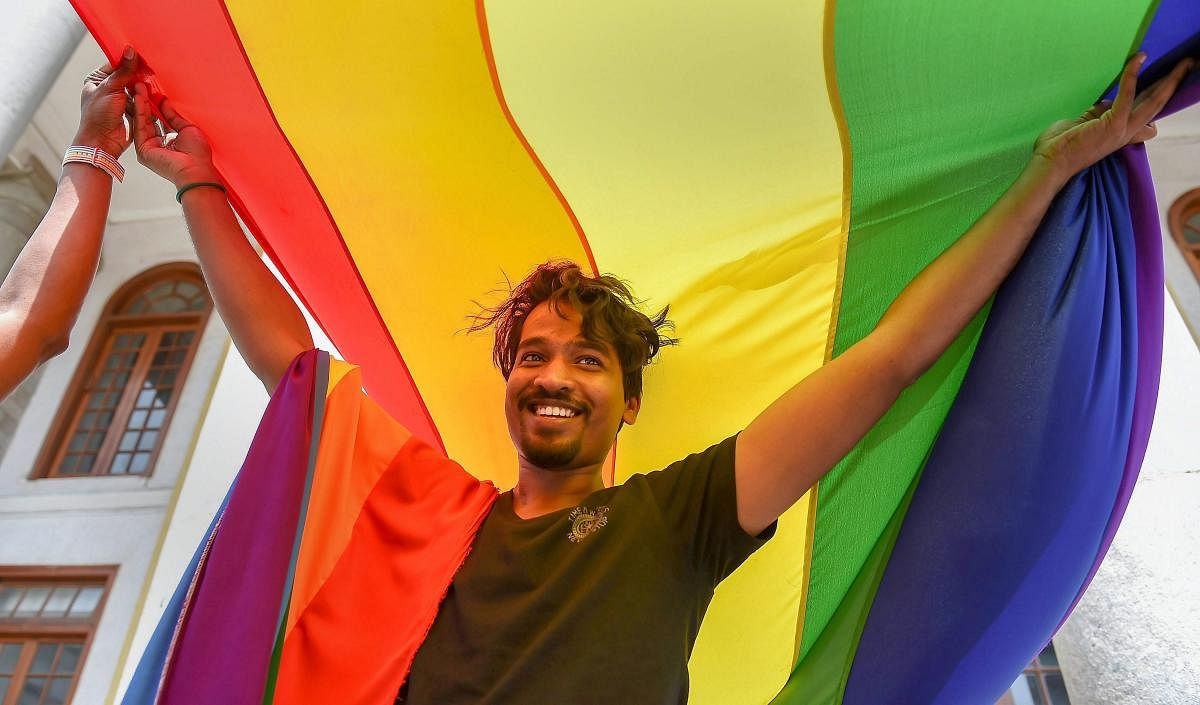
x,y
96,157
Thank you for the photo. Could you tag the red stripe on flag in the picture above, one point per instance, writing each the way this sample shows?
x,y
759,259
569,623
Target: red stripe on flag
x,y
197,58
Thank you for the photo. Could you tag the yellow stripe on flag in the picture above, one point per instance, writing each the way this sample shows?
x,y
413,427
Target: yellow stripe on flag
x,y
731,212
435,195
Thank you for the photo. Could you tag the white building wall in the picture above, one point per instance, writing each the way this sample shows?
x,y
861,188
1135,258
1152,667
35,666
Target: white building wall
x,y
77,531
1175,163
102,520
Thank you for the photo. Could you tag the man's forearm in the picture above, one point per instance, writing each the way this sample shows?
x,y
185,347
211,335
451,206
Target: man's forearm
x,y
267,327
43,292
838,404
935,307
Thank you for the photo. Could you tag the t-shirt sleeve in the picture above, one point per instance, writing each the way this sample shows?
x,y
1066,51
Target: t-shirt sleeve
x,y
697,498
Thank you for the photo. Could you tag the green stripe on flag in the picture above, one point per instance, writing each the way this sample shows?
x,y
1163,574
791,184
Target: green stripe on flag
x,y
943,100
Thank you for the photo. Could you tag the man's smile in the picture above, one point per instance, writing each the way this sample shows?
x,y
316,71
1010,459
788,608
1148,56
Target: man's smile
x,y
554,409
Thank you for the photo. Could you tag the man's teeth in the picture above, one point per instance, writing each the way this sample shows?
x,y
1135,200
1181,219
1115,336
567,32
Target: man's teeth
x,y
553,411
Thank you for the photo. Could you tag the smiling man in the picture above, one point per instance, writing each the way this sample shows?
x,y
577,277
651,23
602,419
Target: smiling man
x,y
566,394
561,560
577,593
572,349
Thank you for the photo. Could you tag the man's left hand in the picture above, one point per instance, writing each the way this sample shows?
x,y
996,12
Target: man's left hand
x,y
1069,146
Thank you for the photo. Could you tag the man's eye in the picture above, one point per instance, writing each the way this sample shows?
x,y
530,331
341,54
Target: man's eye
x,y
589,360
531,357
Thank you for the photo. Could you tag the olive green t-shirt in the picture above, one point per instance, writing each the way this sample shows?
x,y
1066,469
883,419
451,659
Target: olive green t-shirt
x,y
593,605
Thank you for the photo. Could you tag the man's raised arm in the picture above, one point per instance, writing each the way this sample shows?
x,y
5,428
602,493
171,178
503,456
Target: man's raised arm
x,y
802,435
267,327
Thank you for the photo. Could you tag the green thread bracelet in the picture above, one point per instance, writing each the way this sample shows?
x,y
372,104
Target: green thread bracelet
x,y
184,189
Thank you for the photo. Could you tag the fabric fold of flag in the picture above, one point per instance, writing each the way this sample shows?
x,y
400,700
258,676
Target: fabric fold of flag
x,y
1056,374
335,506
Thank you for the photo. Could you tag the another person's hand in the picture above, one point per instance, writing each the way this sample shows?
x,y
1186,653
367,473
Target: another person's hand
x,y
182,156
1069,146
103,106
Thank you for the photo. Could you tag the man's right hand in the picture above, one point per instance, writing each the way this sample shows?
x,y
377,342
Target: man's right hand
x,y
267,327
183,159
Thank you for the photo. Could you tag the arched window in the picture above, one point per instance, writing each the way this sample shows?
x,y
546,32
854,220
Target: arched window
x,y
120,403
1184,222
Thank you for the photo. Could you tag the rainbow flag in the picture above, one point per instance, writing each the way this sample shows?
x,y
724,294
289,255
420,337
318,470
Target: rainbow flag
x,y
326,563
776,173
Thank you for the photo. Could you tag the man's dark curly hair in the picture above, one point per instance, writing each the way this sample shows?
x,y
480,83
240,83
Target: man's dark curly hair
x,y
607,306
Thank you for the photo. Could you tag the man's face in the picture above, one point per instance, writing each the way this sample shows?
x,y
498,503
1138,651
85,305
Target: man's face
x,y
565,400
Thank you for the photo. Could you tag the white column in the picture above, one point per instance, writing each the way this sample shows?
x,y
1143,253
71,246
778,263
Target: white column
x,y
1135,637
36,39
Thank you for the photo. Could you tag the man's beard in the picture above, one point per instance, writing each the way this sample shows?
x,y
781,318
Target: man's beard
x,y
553,455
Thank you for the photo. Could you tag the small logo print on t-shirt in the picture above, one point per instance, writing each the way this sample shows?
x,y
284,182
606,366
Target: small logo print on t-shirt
x,y
586,521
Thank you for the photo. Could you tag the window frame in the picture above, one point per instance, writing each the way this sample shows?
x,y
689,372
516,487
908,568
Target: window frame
x,y
1040,671
1186,205
110,323
35,629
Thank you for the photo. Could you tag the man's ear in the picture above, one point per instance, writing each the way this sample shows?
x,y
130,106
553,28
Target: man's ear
x,y
632,406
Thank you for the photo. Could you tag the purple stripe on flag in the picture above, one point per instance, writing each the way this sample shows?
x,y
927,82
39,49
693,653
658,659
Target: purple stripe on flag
x,y
1143,212
225,644
1186,96
1171,37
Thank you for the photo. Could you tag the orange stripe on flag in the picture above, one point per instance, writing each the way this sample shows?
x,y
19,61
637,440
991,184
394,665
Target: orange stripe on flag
x,y
389,522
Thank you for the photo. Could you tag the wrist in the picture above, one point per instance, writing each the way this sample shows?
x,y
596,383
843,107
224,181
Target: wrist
x,y
95,158
213,186
87,139
1047,171
199,174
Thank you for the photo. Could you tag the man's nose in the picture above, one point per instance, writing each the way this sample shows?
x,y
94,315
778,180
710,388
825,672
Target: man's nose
x,y
555,376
